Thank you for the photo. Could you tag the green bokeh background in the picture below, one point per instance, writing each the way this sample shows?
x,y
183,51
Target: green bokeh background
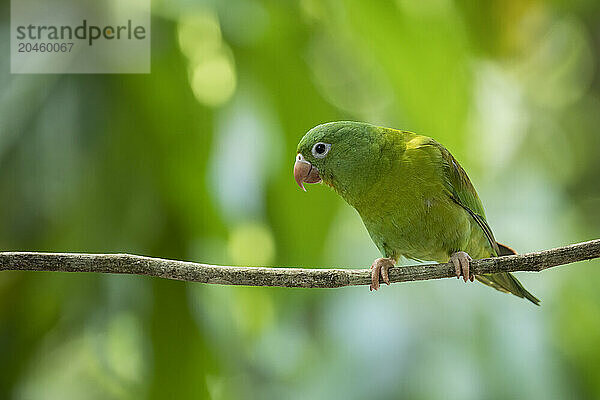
x,y
194,162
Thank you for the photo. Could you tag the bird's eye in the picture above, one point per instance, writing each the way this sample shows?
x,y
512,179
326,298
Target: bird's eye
x,y
320,149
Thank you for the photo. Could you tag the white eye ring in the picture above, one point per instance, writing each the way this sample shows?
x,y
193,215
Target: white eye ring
x,y
320,149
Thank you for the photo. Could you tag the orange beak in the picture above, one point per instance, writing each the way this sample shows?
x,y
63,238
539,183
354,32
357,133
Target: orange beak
x,y
305,172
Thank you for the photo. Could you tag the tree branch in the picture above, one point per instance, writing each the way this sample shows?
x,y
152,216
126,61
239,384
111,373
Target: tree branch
x,y
283,277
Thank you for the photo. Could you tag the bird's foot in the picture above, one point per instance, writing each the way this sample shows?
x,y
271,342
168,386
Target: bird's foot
x,y
381,267
461,261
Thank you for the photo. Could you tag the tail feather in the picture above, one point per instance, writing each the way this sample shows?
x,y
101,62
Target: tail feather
x,y
506,282
504,250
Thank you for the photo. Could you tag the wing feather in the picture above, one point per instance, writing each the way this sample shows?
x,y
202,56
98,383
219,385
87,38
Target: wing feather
x,y
461,191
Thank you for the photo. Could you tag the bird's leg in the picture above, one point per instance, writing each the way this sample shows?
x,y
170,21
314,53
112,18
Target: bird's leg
x,y
461,261
381,266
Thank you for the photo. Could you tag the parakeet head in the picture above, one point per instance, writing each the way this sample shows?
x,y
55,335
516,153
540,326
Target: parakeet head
x,y
338,153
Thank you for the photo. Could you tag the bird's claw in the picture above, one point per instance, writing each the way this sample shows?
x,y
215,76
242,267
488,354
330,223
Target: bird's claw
x,y
381,267
461,262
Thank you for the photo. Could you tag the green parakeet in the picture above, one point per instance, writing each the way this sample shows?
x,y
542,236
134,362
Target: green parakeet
x,y
414,198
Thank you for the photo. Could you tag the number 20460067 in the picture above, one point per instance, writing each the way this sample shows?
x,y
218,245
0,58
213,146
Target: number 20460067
x,y
45,47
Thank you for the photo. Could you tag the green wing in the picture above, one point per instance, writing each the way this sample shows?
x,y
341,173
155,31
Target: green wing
x,y
462,192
